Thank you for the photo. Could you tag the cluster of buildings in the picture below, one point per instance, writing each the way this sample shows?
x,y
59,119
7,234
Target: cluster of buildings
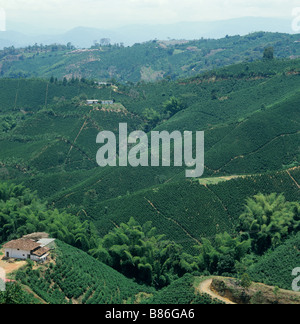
x,y
102,102
36,247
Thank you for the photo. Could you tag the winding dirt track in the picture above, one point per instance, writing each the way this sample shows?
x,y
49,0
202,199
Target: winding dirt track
x,y
205,288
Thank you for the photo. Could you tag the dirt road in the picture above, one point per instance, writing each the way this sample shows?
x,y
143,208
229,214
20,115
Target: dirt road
x,y
205,288
10,267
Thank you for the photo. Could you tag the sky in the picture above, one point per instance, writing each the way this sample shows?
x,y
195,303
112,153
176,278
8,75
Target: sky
x,y
67,14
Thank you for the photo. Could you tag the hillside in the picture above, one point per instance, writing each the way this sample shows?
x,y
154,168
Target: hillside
x,y
247,95
250,115
232,291
75,277
149,61
273,269
53,151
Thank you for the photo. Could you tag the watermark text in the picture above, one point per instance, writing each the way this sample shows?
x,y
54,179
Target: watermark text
x,y
186,149
296,281
2,279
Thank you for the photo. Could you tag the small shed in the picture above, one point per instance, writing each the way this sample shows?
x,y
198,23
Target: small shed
x,y
47,242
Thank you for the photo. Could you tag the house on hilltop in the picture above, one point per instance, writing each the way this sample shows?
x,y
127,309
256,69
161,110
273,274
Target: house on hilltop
x,y
92,102
26,248
103,102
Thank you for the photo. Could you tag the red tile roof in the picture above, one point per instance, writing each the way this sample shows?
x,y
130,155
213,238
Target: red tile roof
x,y
41,251
22,244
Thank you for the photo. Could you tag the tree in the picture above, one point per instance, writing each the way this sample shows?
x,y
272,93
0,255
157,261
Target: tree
x,y
246,281
268,220
12,295
153,118
70,46
221,257
214,95
269,53
21,213
139,252
65,81
173,106
105,41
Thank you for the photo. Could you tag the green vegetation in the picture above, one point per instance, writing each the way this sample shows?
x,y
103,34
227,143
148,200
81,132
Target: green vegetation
x,y
276,266
15,295
150,61
154,229
269,53
173,106
77,277
181,291
138,252
269,220
23,213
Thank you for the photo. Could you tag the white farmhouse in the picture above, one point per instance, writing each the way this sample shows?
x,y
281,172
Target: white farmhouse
x,y
92,102
26,249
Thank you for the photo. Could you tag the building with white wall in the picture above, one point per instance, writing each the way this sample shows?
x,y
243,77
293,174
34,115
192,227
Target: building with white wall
x,y
26,249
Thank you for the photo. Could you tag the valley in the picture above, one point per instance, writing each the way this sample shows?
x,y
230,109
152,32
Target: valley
x,y
145,234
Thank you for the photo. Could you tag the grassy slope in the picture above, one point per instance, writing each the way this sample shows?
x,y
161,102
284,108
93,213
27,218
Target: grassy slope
x,y
53,151
160,59
182,292
275,268
79,277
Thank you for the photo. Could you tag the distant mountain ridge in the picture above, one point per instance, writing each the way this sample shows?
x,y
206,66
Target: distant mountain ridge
x,y
83,37
150,61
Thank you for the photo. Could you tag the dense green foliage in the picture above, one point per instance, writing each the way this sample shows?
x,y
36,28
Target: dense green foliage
x,y
138,252
181,291
269,220
152,224
76,276
186,211
21,213
275,267
149,61
134,250
222,256
15,295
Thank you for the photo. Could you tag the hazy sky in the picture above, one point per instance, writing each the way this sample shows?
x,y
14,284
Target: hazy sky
x,y
66,14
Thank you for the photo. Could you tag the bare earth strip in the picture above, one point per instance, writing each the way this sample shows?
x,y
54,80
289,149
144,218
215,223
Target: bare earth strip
x,y
10,267
205,288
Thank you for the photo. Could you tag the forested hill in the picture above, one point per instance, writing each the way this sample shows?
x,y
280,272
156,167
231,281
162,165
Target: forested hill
x,y
249,113
151,223
151,61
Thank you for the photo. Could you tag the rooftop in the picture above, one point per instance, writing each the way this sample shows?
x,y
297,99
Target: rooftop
x,y
41,251
45,241
22,244
36,236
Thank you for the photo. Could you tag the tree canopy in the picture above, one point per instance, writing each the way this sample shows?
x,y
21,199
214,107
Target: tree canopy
x,y
268,220
139,252
22,212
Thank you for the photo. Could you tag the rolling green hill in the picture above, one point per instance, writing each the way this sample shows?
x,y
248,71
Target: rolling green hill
x,y
52,147
250,115
275,269
149,61
76,277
